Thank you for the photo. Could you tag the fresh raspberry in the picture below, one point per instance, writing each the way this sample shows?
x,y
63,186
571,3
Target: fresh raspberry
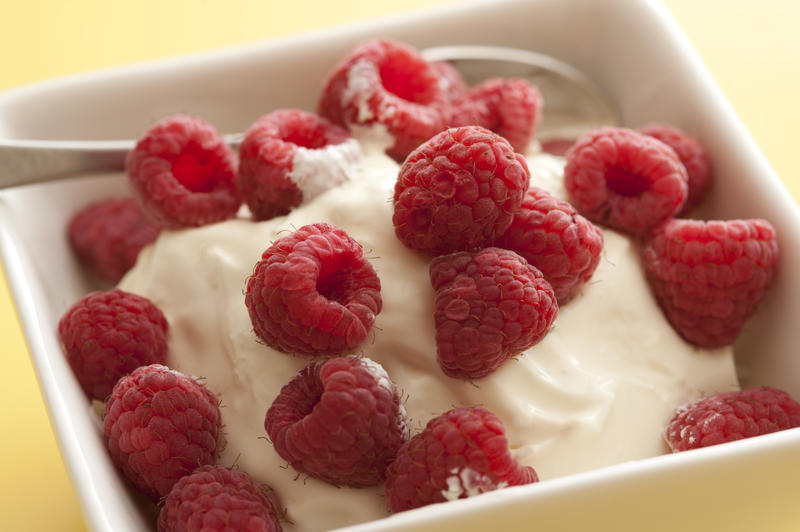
x,y
388,83
313,292
290,156
183,173
160,425
692,154
557,146
509,107
215,498
108,235
624,179
708,277
489,306
731,416
339,420
461,453
109,334
553,237
458,191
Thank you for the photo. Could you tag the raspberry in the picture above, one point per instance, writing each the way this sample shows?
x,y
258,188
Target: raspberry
x,y
731,416
290,156
691,153
708,277
160,425
313,292
509,107
489,306
183,173
339,420
388,83
109,334
461,453
624,179
458,191
107,236
553,237
215,498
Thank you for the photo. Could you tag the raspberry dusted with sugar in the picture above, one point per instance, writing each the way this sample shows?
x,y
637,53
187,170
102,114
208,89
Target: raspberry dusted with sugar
x,y
215,498
511,108
386,83
708,277
624,179
160,425
692,154
183,173
731,416
458,191
553,237
106,335
107,236
290,156
339,420
489,306
461,453
313,292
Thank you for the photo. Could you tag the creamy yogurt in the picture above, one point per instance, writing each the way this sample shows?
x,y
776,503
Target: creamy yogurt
x,y
598,390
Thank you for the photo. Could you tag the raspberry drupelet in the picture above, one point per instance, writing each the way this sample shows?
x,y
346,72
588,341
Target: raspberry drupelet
x,y
313,292
459,191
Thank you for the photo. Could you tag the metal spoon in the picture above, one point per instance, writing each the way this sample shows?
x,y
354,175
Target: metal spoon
x,y
573,104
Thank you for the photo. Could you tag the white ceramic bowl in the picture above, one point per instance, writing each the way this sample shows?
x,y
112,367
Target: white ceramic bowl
x,y
633,49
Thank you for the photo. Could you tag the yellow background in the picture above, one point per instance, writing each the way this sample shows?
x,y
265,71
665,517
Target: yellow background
x,y
752,48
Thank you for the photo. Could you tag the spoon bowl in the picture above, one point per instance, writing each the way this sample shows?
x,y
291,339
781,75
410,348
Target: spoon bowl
x,y
573,104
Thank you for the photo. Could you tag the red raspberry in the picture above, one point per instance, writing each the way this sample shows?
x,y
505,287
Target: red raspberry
x,y
458,191
339,420
183,173
624,179
692,154
109,334
461,453
490,306
553,237
509,107
708,277
107,236
290,156
313,292
731,416
388,83
160,425
215,498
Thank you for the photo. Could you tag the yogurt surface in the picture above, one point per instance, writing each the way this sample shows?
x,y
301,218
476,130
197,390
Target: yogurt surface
x,y
598,390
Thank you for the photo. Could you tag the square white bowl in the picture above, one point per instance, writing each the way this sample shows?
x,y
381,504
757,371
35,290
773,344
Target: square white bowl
x,y
633,49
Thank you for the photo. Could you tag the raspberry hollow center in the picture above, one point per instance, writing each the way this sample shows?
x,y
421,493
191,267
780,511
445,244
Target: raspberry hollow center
x,y
335,285
400,76
624,182
195,170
